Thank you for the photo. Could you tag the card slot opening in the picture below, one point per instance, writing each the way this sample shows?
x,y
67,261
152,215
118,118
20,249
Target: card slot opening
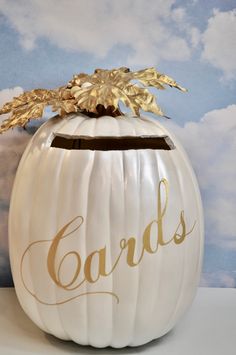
x,y
112,143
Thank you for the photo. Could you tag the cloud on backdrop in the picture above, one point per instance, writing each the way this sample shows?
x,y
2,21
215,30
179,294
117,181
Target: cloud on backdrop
x,y
161,30
219,42
130,23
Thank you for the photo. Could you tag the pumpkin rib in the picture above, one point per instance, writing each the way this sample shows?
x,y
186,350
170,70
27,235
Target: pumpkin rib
x,y
83,337
33,193
140,129
88,341
11,231
79,126
89,336
172,312
156,156
179,296
113,241
57,225
71,316
159,158
139,268
135,183
58,182
118,330
110,251
86,185
178,307
36,179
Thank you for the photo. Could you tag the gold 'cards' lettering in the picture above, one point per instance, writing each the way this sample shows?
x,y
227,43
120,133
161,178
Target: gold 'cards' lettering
x,y
95,264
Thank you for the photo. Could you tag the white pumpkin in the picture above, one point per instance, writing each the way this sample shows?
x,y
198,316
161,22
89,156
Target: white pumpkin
x,y
105,246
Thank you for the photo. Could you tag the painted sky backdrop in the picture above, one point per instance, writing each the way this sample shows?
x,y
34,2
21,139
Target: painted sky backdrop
x,y
43,43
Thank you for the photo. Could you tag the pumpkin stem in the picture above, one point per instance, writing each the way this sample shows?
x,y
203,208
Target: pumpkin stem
x,y
102,111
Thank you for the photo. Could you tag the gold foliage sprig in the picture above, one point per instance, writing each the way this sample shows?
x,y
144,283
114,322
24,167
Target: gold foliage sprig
x,y
95,95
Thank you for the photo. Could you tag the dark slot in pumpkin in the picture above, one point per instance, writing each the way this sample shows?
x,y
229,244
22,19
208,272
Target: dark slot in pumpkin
x,y
112,143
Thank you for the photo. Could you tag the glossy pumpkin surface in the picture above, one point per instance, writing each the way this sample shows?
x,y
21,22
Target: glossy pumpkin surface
x,y
105,245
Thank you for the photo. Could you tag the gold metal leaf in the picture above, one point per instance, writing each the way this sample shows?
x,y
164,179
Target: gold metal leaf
x,y
96,94
151,77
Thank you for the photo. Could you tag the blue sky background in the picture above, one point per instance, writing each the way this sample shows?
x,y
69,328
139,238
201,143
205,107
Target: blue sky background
x,y
43,43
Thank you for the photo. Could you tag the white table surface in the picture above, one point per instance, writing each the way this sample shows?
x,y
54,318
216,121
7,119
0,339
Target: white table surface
x,y
208,328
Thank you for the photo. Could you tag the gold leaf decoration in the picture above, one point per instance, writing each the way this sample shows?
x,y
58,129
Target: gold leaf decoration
x,y
151,77
29,105
95,95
